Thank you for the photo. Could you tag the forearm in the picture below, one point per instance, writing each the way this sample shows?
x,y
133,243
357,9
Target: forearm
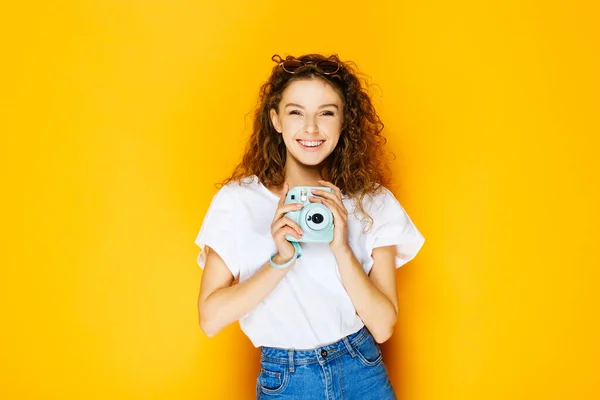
x,y
229,304
372,306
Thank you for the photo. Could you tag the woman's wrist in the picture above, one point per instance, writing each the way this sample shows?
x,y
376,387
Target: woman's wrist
x,y
279,259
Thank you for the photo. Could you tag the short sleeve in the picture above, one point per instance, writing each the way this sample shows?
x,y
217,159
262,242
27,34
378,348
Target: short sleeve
x,y
217,231
393,226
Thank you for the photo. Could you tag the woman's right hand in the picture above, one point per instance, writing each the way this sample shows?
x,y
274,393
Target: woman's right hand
x,y
282,226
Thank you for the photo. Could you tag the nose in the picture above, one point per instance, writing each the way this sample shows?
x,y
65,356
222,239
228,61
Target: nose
x,y
311,125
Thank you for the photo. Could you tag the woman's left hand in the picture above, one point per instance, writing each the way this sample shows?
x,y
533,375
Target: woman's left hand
x,y
333,201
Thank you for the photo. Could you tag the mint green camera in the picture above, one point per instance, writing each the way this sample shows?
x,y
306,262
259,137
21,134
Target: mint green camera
x,y
315,219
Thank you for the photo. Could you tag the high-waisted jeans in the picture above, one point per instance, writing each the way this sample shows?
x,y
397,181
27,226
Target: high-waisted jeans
x,y
350,369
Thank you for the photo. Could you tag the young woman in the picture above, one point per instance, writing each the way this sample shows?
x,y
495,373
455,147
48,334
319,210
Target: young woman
x,y
318,310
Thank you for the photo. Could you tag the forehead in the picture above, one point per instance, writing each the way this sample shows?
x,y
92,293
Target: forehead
x,y
311,91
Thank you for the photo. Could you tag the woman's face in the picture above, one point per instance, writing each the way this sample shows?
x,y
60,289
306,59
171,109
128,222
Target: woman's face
x,y
309,118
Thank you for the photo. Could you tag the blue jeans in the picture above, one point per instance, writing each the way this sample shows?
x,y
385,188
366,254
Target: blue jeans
x,y
351,368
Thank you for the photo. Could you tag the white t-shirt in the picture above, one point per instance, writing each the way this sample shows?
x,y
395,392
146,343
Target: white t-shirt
x,y
309,307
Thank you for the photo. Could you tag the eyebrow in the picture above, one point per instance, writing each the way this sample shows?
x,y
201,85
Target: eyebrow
x,y
322,106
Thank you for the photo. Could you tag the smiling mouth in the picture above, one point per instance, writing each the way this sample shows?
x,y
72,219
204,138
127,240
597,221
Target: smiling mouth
x,y
311,144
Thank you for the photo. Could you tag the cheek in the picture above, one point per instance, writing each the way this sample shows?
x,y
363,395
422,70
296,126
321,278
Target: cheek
x,y
290,125
333,126
333,121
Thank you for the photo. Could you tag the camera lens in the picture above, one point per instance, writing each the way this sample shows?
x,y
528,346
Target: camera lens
x,y
317,218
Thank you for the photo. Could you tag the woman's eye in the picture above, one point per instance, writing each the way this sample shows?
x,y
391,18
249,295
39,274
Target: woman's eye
x,y
295,112
330,113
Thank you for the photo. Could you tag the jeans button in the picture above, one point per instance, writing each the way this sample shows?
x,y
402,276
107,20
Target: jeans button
x,y
324,353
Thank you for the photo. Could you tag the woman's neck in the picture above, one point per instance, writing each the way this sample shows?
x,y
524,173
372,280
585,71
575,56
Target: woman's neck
x,y
297,174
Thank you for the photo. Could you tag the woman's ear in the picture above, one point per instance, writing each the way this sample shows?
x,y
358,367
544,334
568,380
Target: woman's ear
x,y
275,120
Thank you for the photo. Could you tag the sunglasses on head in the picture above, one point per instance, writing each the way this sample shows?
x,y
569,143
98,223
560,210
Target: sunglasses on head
x,y
327,67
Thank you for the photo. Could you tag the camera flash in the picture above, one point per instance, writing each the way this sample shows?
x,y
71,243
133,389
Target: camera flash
x,y
303,195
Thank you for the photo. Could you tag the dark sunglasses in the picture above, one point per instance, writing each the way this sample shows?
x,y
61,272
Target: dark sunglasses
x,y
327,67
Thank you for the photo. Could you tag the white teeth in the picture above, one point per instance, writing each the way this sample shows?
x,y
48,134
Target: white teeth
x,y
311,144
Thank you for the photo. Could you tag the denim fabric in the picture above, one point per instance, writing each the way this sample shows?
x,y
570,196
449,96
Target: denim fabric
x,y
350,369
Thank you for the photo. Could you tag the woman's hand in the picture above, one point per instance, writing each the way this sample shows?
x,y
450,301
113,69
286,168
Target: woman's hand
x,y
333,201
283,225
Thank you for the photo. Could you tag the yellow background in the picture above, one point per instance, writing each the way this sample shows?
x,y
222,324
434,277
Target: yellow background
x,y
118,117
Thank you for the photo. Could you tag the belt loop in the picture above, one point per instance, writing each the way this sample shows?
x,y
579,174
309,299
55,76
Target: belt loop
x,y
349,346
291,359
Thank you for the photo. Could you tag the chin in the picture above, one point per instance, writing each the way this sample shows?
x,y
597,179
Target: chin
x,y
310,161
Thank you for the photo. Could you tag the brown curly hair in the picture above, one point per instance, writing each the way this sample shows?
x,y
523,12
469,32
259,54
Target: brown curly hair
x,y
357,165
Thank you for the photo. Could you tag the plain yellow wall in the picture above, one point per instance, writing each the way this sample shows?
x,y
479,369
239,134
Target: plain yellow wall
x,y
119,116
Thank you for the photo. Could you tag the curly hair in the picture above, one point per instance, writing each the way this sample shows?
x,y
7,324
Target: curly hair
x,y
357,165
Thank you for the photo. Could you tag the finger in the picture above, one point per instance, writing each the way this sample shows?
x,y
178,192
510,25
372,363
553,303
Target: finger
x,y
285,208
337,214
281,201
324,193
282,198
328,195
332,206
285,230
327,203
285,221
335,189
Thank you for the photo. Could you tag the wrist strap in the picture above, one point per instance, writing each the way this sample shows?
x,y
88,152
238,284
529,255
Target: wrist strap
x,y
297,254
